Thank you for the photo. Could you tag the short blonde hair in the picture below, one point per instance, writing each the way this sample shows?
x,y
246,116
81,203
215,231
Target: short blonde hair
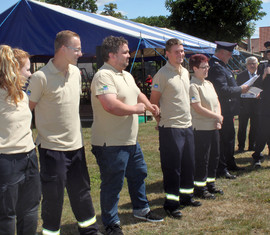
x,y
171,42
63,38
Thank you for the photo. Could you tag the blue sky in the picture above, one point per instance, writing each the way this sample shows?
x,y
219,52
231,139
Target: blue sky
x,y
135,8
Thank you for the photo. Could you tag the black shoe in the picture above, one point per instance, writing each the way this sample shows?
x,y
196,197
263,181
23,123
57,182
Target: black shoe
x,y
214,190
150,217
257,164
191,202
174,213
257,156
229,176
114,229
204,194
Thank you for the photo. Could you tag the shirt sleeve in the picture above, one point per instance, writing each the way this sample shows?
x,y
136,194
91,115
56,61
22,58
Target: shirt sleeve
x,y
104,84
36,86
194,94
159,82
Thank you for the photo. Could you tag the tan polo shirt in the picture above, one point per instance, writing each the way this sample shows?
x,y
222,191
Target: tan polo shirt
x,y
174,101
107,128
15,125
57,111
204,92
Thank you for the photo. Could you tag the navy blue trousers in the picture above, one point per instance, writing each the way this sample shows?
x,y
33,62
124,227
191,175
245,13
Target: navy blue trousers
x,y
177,163
60,170
206,154
19,193
227,142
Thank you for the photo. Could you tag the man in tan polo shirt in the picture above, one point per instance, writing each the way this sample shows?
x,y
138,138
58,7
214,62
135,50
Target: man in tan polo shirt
x,y
171,92
116,102
54,93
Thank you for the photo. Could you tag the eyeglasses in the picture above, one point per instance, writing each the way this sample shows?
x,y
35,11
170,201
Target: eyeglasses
x,y
252,63
75,49
204,67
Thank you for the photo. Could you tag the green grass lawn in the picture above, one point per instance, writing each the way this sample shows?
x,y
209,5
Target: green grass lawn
x,y
243,209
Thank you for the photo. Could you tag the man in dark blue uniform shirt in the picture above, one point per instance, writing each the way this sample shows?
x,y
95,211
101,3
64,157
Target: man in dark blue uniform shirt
x,y
229,94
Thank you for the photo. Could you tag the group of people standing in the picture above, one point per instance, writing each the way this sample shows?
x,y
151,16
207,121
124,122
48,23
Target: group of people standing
x,y
195,123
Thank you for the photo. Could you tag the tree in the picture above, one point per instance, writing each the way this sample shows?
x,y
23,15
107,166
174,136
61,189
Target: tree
x,y
82,5
109,10
159,21
212,20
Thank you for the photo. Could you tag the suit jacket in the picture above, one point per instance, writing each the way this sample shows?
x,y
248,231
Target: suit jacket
x,y
265,94
248,106
224,82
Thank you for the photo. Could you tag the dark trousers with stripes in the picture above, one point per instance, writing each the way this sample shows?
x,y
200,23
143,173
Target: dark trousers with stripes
x,y
227,142
206,154
19,193
177,162
60,170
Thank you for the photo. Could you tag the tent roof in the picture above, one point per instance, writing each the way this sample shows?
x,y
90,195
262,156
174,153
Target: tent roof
x,y
32,26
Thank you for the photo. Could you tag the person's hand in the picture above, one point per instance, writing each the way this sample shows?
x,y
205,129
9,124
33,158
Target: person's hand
x,y
266,71
218,126
140,108
219,119
245,88
154,110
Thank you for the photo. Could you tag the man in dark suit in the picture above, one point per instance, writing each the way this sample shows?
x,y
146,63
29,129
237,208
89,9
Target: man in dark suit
x,y
264,127
228,93
248,106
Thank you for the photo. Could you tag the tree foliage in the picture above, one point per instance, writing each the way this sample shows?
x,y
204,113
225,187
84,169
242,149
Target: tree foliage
x,y
229,20
109,10
82,5
159,21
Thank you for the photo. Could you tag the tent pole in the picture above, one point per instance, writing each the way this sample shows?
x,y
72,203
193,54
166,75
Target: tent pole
x,y
143,75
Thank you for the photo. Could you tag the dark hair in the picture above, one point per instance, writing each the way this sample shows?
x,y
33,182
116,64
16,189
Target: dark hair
x,y
196,60
171,42
111,44
63,38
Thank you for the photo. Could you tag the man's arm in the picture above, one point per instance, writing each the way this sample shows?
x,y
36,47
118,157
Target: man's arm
x,y
153,108
32,105
218,77
112,105
154,99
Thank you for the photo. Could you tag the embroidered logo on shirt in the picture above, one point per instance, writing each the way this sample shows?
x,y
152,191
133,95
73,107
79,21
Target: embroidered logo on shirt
x,y
193,98
156,86
104,88
28,92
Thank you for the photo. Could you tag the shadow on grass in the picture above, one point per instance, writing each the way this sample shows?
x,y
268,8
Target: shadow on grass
x,y
128,218
249,168
156,202
156,187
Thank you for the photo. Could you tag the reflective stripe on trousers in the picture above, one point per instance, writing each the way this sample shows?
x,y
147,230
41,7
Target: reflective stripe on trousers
x,y
210,180
186,190
172,197
48,232
200,183
87,223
